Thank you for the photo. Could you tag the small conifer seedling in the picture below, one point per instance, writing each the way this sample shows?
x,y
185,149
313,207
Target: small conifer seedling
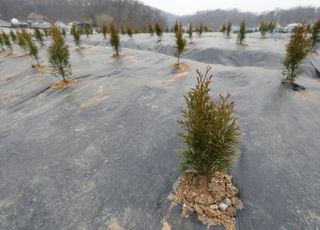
x,y
114,39
228,28
176,27
264,28
158,30
223,28
38,35
21,39
200,30
297,49
59,54
73,29
129,31
76,37
104,31
1,43
190,32
315,33
151,29
32,48
209,129
180,43
242,32
6,40
13,36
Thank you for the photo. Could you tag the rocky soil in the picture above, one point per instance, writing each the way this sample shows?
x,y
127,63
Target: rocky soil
x,y
215,203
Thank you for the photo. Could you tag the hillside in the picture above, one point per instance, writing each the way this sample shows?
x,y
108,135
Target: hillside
x,y
138,15
216,18
130,12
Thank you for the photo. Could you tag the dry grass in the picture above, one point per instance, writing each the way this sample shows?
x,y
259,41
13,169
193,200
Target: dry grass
x,y
63,84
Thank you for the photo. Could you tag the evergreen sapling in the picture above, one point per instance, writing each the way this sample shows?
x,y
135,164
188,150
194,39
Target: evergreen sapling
x,y
209,129
297,49
158,30
114,39
59,54
180,43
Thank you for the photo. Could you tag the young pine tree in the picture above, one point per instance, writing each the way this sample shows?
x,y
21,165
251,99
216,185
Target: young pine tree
x,y
6,40
297,49
190,32
73,29
64,33
228,29
104,31
223,28
76,37
13,36
59,54
180,43
315,33
88,31
271,27
114,39
200,30
242,32
1,43
158,30
151,29
263,29
38,35
129,31
32,48
209,129
21,39
176,27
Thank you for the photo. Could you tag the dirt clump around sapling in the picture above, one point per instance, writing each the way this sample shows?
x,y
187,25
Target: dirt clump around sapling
x,y
63,84
216,203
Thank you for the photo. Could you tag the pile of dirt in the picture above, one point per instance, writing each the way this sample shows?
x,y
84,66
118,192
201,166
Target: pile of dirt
x,y
215,200
63,84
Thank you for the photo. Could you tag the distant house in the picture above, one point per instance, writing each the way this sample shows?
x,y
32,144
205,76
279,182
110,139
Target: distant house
x,y
289,28
83,26
15,23
41,24
60,25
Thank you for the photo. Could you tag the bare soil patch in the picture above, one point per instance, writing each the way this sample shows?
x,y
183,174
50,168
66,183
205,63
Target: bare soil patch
x,y
182,67
63,84
5,53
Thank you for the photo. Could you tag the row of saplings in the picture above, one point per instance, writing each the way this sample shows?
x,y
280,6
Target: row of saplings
x,y
210,132
58,51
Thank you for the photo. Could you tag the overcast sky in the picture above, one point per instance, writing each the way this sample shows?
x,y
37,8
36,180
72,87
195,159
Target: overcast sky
x,y
191,6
